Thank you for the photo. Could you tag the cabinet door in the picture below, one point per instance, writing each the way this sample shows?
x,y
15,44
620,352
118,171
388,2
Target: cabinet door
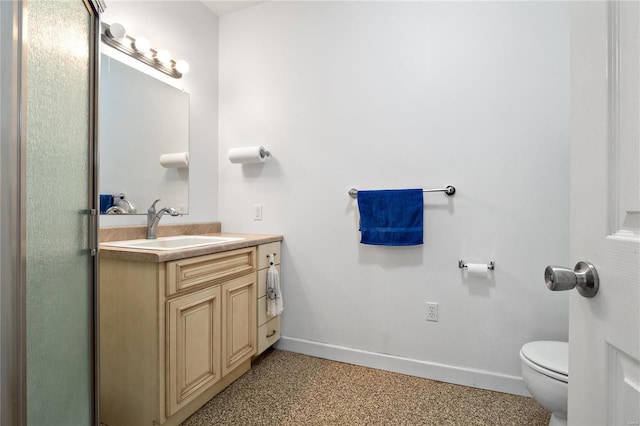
x,y
193,346
238,321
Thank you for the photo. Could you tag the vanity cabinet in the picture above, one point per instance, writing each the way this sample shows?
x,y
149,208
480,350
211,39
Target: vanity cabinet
x,y
268,327
174,334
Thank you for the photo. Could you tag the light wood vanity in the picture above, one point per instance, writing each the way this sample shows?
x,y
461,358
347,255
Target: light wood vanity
x,y
177,327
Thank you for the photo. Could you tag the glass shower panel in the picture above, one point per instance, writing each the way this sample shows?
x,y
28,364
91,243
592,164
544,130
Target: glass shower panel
x,y
58,265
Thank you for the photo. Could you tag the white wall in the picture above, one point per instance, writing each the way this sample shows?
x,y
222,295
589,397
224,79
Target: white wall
x,y
189,31
405,94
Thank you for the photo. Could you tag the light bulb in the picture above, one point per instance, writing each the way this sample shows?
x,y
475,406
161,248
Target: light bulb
x,y
117,30
163,56
182,66
142,45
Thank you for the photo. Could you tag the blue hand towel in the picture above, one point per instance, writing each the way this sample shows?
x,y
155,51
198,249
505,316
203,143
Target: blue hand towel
x,y
392,217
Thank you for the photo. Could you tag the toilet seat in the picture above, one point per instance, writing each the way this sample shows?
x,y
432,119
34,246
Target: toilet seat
x,y
548,357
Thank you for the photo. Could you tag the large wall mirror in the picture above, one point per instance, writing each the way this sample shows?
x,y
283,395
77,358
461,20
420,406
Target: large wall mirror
x,y
141,119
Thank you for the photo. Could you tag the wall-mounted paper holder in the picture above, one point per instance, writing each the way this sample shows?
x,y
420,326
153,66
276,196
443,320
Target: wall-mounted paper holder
x,y
490,266
249,154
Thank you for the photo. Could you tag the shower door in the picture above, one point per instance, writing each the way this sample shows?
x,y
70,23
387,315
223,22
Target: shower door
x,y
48,212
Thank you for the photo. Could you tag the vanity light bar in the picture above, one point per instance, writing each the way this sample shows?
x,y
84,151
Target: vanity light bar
x,y
140,50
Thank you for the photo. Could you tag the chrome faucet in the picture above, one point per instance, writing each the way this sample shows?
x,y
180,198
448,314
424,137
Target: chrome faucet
x,y
153,218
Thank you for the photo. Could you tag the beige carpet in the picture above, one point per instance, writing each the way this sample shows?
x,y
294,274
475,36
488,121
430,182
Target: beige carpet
x,y
286,388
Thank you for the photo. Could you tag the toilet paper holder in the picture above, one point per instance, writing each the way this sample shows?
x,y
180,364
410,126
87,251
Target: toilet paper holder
x,y
490,266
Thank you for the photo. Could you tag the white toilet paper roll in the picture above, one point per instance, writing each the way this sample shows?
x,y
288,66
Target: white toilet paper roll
x,y
248,154
175,160
478,269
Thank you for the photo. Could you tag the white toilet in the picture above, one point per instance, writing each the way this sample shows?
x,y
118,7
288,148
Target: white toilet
x,y
545,370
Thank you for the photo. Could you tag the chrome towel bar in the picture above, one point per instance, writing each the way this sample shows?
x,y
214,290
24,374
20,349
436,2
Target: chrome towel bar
x,y
449,191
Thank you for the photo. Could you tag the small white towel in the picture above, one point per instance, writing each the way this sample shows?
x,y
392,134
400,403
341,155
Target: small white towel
x,y
274,295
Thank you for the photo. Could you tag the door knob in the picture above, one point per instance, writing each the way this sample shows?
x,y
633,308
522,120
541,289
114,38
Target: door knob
x,y
583,277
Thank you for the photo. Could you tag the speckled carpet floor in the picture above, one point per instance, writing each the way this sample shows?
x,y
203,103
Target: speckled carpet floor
x,y
286,388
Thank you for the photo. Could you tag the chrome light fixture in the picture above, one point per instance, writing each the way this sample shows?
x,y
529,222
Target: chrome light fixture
x,y
115,35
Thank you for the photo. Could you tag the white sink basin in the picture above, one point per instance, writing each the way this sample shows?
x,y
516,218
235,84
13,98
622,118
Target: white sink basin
x,y
172,243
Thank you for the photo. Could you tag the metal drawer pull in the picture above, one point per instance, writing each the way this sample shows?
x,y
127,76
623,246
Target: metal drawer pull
x,y
273,333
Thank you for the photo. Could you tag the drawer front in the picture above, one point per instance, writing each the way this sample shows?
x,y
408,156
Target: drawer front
x,y
268,334
262,281
188,273
262,310
264,250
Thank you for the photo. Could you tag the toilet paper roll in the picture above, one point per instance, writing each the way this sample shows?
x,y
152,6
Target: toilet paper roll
x,y
248,154
175,160
478,269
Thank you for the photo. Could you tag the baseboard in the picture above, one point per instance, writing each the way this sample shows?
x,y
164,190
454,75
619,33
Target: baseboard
x,y
428,370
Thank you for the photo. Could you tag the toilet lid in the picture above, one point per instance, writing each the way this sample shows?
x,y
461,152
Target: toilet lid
x,y
550,355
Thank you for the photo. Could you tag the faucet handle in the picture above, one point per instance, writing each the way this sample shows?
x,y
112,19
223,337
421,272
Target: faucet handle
x,y
152,209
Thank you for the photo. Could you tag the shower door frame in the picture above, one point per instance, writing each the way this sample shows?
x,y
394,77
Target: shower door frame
x,y
13,366
12,227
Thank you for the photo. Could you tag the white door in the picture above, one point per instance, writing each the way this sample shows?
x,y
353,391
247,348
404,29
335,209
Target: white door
x,y
604,331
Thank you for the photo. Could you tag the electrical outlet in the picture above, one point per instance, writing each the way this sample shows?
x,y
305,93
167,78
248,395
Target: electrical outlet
x,y
257,212
432,311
